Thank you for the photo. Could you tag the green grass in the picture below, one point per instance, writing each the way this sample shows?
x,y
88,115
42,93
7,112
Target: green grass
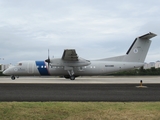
x,y
79,111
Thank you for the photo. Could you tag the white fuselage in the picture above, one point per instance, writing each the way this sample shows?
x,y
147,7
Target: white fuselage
x,y
37,68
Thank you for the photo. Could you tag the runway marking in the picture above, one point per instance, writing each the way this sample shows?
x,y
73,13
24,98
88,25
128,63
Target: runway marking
x,y
141,87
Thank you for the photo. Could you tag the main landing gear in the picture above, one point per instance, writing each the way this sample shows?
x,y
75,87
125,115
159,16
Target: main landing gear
x,y
71,73
70,77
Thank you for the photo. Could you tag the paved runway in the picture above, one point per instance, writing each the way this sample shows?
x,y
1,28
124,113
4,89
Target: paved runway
x,y
84,80
79,91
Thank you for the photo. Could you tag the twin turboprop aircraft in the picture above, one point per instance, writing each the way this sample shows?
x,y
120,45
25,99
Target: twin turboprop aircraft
x,y
71,66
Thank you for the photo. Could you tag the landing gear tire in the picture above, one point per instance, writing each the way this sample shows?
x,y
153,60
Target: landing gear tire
x,y
72,78
13,77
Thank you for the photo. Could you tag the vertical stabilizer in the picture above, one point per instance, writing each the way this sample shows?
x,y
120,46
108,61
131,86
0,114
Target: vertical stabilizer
x,y
139,48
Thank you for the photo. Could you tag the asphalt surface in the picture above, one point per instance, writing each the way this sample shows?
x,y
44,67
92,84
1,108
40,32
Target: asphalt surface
x,y
78,92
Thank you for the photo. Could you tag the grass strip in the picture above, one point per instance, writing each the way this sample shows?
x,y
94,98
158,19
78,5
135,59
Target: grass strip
x,y
79,111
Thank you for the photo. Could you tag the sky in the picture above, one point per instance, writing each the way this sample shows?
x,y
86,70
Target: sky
x,y
95,28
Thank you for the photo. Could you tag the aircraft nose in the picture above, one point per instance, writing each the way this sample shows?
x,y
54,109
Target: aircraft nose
x,y
6,72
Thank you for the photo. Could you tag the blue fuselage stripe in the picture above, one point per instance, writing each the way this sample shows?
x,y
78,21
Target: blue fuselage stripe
x,y
42,68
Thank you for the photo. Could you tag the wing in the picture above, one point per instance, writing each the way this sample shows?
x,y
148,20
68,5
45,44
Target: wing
x,y
70,55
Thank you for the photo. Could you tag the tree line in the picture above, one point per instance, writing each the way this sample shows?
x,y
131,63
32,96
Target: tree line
x,y
140,71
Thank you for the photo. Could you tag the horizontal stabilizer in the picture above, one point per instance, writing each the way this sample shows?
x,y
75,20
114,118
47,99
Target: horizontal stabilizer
x,y
147,36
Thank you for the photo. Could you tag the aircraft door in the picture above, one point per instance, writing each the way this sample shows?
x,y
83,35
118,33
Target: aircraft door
x,y
30,67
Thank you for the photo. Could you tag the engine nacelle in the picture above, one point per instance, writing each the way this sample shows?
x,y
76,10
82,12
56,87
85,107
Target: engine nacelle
x,y
79,63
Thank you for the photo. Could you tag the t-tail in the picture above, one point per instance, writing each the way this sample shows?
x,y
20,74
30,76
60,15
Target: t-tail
x,y
139,48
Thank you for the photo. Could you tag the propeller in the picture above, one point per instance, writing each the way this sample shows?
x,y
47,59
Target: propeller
x,y
48,60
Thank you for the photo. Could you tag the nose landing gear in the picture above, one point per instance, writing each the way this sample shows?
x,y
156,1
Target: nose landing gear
x,y
13,77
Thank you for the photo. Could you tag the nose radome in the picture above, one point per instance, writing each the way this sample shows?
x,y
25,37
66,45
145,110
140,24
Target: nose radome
x,y
6,72
9,70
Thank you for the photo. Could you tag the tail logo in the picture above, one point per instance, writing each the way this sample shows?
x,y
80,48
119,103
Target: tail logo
x,y
135,50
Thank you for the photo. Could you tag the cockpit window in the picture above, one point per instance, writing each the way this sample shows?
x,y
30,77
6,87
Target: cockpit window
x,y
20,64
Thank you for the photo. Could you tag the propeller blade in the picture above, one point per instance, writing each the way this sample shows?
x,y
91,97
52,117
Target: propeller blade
x,y
48,60
48,57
